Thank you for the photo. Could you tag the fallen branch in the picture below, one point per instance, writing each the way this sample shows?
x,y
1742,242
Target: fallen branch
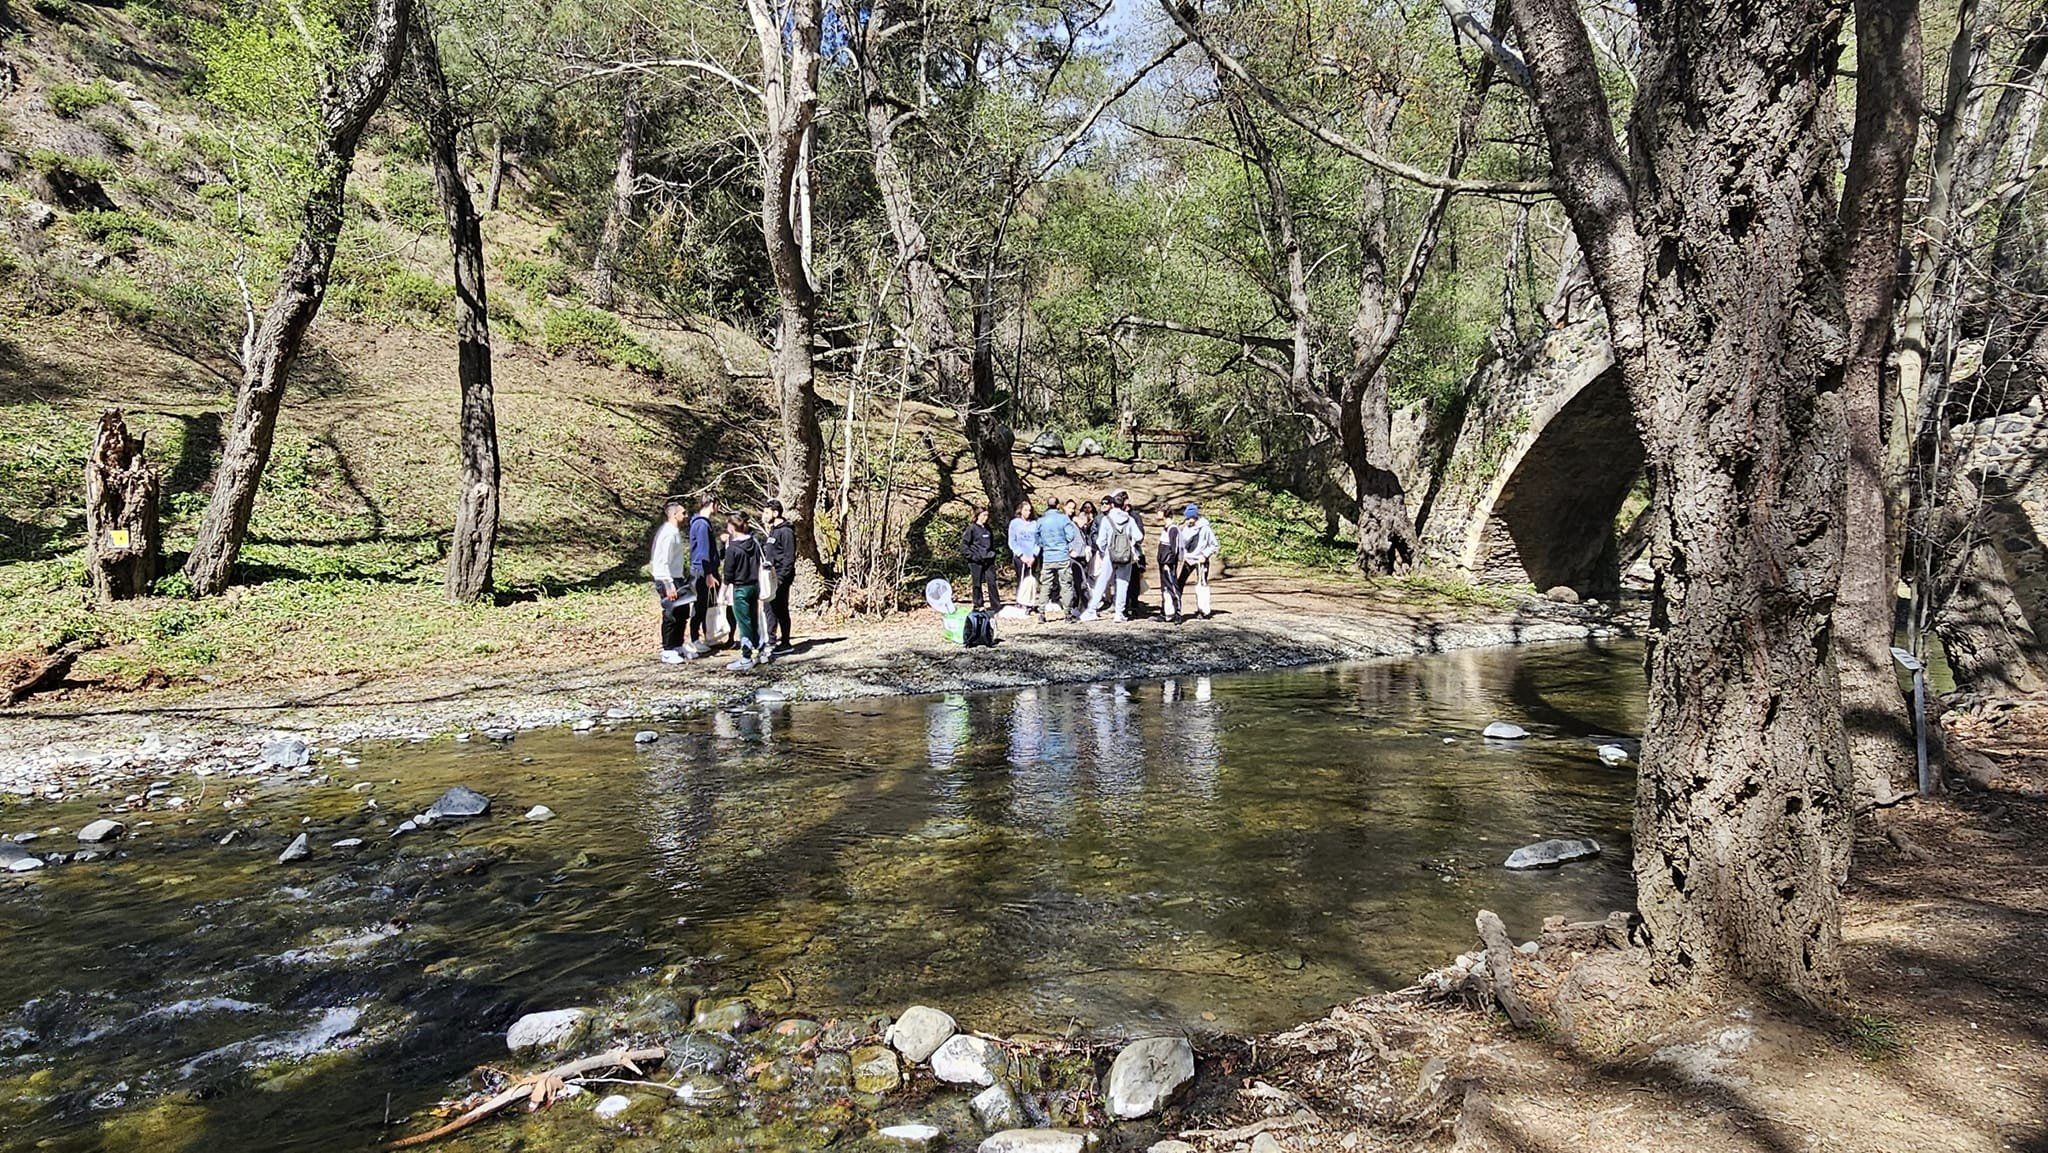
x,y
1500,964
553,1078
49,672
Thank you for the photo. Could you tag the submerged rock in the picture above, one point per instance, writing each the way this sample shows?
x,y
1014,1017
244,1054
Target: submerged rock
x,y
1613,755
646,737
997,1108
793,1034
919,1033
300,848
702,1091
549,1030
699,1053
965,1060
832,1073
1505,731
459,803
1552,853
540,813
721,1016
101,831
1147,1075
1039,1141
913,1136
875,1070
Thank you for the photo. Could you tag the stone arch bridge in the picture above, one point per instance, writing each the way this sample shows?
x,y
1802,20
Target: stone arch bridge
x,y
1527,486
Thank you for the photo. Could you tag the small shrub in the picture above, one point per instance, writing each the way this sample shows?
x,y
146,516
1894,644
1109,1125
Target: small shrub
x,y
52,163
539,279
411,202
118,230
74,100
405,292
597,335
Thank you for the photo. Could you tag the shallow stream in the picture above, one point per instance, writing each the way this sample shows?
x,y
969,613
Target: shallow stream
x,y
1208,854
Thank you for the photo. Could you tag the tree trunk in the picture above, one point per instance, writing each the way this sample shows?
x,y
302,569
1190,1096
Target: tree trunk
x,y
604,264
789,102
1711,251
1990,646
1880,731
271,346
497,182
950,361
476,503
122,544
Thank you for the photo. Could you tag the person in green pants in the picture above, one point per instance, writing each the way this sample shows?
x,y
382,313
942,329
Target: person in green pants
x,y
742,573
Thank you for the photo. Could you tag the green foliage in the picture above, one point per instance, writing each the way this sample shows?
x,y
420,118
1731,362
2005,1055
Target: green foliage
x,y
41,450
74,100
263,75
1269,524
539,279
410,201
597,335
50,162
117,230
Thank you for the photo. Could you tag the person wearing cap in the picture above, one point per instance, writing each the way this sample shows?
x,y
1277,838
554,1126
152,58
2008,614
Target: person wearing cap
x,y
1198,547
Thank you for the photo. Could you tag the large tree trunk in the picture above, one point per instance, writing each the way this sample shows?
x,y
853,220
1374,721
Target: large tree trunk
x,y
951,362
1990,646
789,102
1873,203
988,428
476,503
604,264
271,346
1711,251
122,543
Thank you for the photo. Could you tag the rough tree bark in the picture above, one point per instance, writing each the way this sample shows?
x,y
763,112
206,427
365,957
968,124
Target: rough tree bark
x,y
476,502
789,104
122,544
604,263
1990,646
1879,729
963,379
270,347
1711,252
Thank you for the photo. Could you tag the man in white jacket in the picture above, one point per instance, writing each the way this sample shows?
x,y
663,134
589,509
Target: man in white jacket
x,y
1198,547
669,562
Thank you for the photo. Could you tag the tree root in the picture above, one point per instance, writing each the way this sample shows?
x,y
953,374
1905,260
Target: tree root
x,y
1500,963
542,1087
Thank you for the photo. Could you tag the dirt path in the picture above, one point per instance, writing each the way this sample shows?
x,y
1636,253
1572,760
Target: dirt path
x,y
86,737
1939,1042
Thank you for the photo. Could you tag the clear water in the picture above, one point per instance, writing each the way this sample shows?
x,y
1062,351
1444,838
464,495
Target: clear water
x,y
1218,853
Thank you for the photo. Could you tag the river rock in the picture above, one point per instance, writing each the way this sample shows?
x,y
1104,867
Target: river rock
x,y
540,813
721,1016
25,863
1169,1146
832,1073
300,848
913,1136
501,735
1562,594
290,753
613,1107
550,1030
846,1032
965,1060
774,1076
699,1053
1552,853
793,1034
646,737
1613,755
348,843
997,1109
102,831
919,1033
875,1070
11,852
1147,1075
1039,1141
1505,731
702,1090
459,803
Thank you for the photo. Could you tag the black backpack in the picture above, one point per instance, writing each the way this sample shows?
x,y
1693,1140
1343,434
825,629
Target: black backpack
x,y
980,631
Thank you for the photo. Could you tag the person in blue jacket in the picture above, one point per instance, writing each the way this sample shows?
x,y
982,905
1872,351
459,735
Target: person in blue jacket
x,y
1056,534
1023,540
704,558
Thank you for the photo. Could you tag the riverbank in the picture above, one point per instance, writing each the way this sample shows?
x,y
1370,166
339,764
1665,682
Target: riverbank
x,y
90,737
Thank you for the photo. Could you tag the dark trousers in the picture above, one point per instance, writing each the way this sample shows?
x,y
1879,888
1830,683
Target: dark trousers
x,y
744,600
674,614
778,614
700,610
982,574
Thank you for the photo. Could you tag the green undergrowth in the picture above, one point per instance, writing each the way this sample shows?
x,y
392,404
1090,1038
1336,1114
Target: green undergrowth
x,y
1276,527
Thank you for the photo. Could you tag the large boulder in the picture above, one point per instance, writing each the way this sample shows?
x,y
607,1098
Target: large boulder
x,y
459,803
1147,1075
919,1033
967,1060
551,1030
1554,852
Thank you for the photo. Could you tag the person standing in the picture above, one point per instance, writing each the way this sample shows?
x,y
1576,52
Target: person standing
x,y
1082,567
1023,540
669,564
1169,570
1056,534
978,549
741,571
1137,594
703,577
1198,549
1120,542
780,549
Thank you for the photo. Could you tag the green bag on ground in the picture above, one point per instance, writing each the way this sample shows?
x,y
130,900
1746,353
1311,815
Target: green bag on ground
x,y
956,626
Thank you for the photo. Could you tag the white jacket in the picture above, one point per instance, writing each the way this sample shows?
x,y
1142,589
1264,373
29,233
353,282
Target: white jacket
x,y
1198,540
670,560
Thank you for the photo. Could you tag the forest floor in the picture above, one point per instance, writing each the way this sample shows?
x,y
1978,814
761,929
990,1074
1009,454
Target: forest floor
x,y
1939,1040
105,730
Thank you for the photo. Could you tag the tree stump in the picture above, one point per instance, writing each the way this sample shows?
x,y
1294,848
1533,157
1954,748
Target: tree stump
x,y
122,542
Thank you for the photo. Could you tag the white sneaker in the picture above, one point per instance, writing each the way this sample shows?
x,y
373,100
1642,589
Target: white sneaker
x,y
1121,618
672,656
690,652
1090,615
741,665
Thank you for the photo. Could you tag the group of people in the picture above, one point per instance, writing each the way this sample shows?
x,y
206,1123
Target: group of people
x,y
732,576
1081,560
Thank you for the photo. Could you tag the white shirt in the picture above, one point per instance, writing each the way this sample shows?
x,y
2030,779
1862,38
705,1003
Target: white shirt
x,y
671,560
1198,540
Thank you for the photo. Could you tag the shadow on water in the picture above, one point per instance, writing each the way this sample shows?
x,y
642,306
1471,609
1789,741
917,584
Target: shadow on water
x,y
1206,853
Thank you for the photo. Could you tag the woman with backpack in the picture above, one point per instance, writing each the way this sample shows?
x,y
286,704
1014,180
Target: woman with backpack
x,y
978,549
1118,540
742,574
